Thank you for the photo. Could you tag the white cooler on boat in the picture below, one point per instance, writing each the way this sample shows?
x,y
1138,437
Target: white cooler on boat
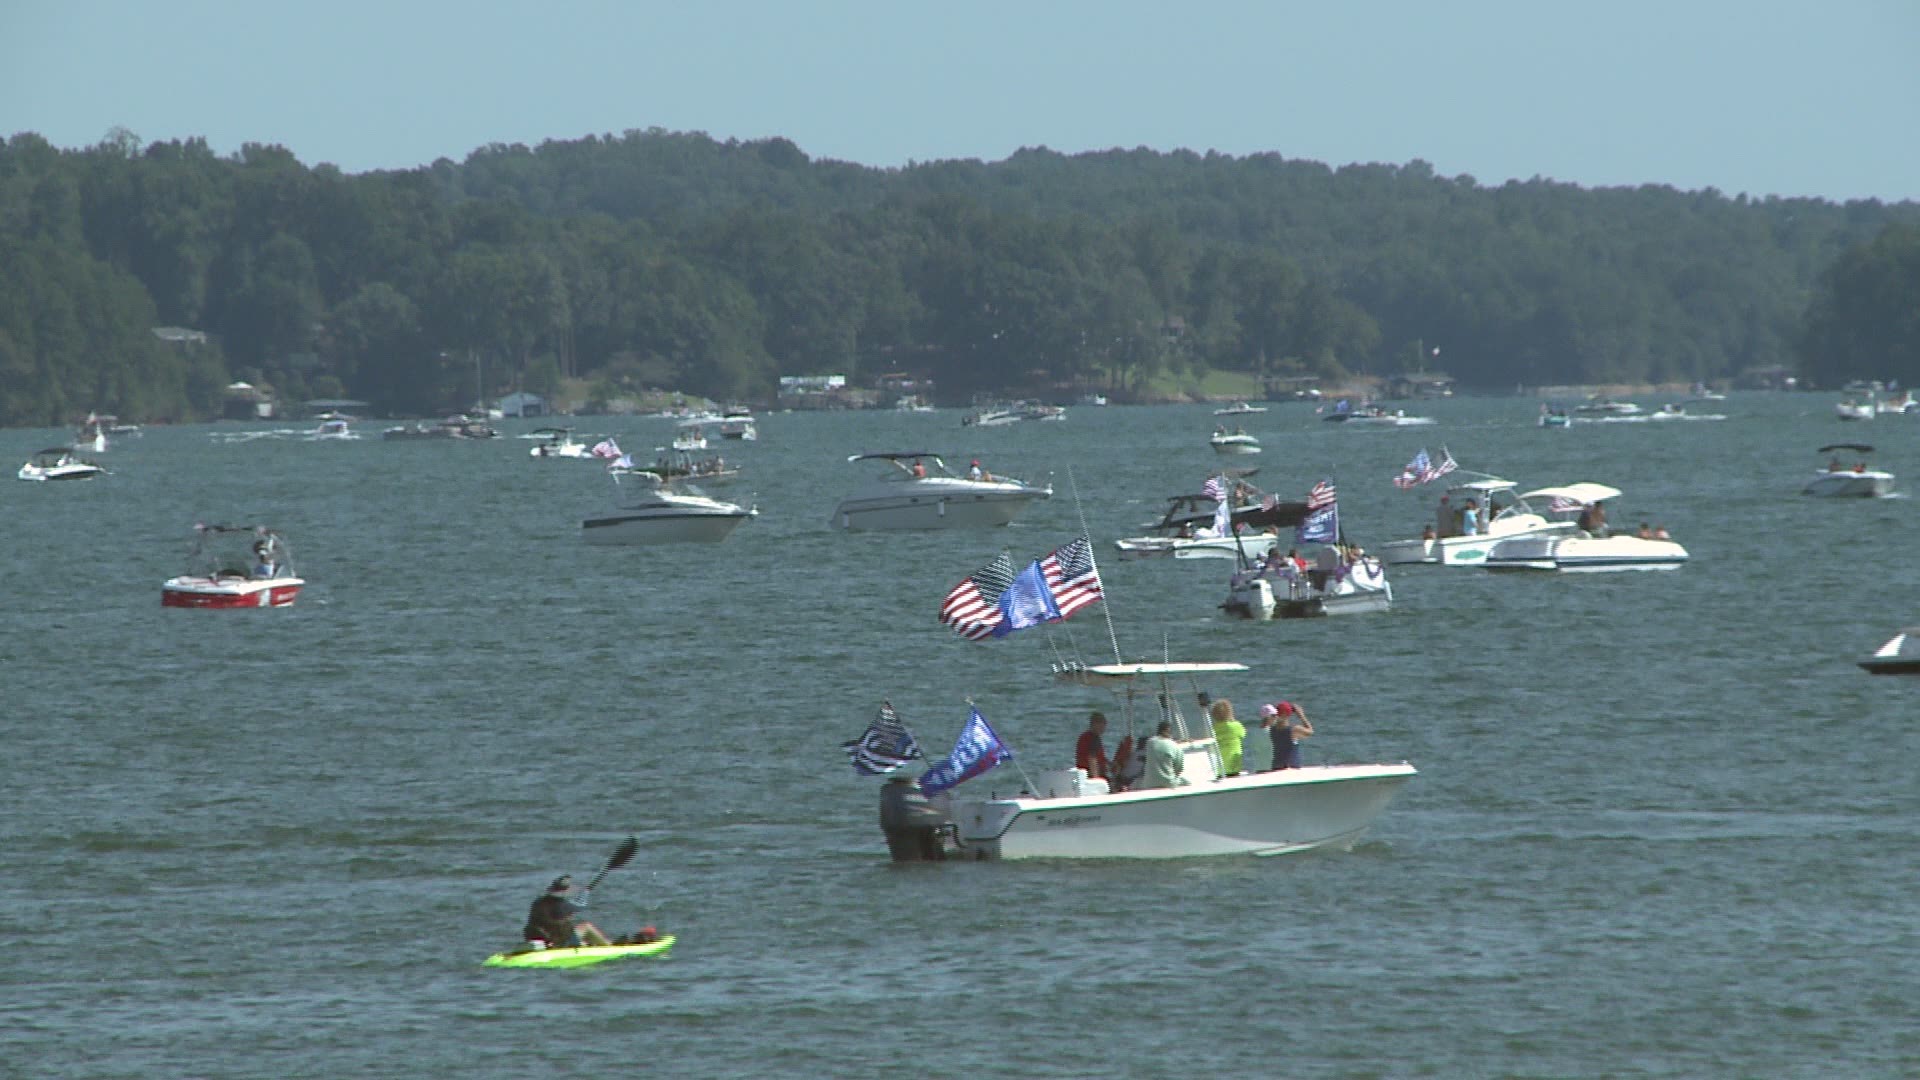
x,y
1067,784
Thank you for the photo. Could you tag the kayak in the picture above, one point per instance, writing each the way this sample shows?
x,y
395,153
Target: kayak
x,y
577,957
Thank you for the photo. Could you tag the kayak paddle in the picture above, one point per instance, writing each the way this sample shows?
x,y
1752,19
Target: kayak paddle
x,y
621,856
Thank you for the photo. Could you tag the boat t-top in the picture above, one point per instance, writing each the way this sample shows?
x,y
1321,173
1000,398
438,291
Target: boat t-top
x,y
235,566
1498,514
1841,479
917,491
58,463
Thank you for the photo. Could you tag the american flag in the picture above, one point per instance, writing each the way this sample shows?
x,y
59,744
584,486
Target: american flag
x,y
1072,577
1215,487
973,607
1563,505
884,746
606,448
1321,496
1446,466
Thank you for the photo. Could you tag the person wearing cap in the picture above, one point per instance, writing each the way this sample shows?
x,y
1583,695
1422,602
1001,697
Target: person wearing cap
x,y
974,472
911,821
554,919
1286,725
1229,735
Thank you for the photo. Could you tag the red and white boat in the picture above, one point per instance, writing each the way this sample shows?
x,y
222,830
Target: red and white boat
x,y
223,577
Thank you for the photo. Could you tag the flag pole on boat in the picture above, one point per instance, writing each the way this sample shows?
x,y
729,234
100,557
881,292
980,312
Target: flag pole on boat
x,y
1106,603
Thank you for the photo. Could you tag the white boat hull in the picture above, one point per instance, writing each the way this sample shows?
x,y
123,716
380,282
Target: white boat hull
x,y
1870,484
1265,599
653,527
935,504
1269,813
76,471
1463,550
1235,446
1579,553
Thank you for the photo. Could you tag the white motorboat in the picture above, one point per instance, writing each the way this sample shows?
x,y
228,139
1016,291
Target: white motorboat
x,y
58,463
1856,409
1598,407
1191,527
1064,814
918,492
1586,549
1234,442
556,442
1896,657
662,515
1554,417
1842,481
1352,584
991,416
1501,513
334,427
1240,408
691,435
235,566
738,424
1034,410
1900,403
92,434
1344,412
1702,392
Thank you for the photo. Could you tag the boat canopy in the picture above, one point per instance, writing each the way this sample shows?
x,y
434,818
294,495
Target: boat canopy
x,y
54,451
1859,448
1583,492
892,455
1136,670
1487,485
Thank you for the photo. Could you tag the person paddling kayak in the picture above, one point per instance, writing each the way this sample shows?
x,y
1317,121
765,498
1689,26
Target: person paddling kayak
x,y
555,919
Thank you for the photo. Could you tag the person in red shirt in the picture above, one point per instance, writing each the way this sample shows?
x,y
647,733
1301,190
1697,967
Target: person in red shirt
x,y
1089,753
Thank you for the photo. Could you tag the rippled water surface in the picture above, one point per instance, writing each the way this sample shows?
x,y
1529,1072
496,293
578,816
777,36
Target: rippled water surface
x,y
1663,825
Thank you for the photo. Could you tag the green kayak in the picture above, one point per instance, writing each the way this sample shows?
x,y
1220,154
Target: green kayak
x,y
573,958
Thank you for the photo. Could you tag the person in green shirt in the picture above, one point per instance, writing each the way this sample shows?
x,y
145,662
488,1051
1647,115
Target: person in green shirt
x,y
1165,760
1229,735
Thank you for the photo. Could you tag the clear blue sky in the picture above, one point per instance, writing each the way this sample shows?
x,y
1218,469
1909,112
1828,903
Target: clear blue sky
x,y
1761,96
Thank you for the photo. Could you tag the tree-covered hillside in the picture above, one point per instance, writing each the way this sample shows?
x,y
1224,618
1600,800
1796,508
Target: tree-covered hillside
x,y
670,259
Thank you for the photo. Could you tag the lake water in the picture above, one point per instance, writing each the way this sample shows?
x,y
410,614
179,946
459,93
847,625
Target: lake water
x,y
1663,826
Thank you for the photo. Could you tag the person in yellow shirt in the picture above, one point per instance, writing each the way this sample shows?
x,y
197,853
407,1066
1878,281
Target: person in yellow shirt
x,y
1229,735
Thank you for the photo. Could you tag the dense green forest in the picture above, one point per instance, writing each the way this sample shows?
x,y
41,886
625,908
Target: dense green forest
x,y
669,259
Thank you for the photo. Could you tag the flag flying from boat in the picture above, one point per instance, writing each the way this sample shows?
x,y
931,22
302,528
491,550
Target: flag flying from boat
x,y
974,752
1322,524
1215,487
1446,465
884,746
624,461
1072,577
1415,472
996,600
606,448
972,608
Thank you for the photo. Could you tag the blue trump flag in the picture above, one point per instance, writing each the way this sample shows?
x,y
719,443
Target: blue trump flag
x,y
1320,527
1027,602
974,752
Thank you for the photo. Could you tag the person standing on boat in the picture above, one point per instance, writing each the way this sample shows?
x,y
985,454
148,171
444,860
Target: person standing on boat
x,y
1090,754
1229,735
263,566
1165,760
1470,518
1286,725
911,821
555,918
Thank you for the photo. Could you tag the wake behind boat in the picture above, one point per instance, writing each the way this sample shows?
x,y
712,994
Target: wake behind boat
x,y
918,492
